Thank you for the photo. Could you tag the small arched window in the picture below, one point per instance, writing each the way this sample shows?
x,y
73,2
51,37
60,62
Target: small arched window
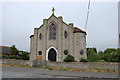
x,y
40,36
52,31
65,34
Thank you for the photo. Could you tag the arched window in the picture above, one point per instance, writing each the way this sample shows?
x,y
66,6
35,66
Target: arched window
x,y
65,34
40,36
52,31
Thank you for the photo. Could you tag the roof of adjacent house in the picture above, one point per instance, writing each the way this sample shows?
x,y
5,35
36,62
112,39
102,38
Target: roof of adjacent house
x,y
76,30
5,50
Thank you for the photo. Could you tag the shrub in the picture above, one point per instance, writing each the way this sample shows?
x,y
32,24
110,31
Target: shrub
x,y
69,58
14,50
48,67
83,60
101,61
25,56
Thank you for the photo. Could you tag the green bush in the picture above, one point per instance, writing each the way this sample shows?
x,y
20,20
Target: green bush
x,y
69,58
101,61
14,50
25,55
11,57
3,56
108,55
92,55
83,60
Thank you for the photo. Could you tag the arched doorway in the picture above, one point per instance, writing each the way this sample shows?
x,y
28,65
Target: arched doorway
x,y
52,55
49,52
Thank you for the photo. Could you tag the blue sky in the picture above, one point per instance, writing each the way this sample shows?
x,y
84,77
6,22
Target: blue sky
x,y
20,18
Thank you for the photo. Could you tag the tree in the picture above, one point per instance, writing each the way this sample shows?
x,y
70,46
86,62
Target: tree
x,y
101,55
25,55
110,55
115,56
92,55
14,50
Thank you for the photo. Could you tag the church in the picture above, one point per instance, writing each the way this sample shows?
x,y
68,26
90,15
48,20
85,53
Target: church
x,y
55,39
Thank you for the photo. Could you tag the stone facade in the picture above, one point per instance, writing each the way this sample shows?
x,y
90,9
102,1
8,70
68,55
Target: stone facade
x,y
68,39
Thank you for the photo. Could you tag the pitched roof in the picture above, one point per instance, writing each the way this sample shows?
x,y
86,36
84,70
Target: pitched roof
x,y
77,30
5,50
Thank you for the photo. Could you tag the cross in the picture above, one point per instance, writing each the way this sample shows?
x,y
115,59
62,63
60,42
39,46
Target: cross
x,y
53,11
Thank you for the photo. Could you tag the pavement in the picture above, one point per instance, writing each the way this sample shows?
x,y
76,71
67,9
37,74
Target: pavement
x,y
14,72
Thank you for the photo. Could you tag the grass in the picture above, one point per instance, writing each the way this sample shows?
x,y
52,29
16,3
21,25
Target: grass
x,y
48,68
10,65
65,69
81,70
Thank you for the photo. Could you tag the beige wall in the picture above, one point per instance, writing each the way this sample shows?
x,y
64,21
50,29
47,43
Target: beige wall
x,y
79,44
31,48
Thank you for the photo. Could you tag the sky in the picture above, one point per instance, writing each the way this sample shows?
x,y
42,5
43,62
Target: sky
x,y
20,18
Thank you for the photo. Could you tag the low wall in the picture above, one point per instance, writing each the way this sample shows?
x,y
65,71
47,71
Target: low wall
x,y
85,65
15,62
81,65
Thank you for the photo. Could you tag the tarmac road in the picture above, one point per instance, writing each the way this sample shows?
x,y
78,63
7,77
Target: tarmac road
x,y
14,72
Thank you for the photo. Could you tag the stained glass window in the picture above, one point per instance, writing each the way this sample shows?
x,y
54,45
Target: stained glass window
x,y
52,31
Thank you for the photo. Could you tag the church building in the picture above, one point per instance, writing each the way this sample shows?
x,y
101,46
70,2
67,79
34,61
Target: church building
x,y
55,39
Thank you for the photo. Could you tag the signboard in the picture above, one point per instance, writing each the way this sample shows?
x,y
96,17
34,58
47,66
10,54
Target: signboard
x,y
39,57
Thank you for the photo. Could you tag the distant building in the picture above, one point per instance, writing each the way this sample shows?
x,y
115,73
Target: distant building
x,y
6,51
55,39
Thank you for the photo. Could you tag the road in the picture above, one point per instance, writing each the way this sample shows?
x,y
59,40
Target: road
x,y
14,72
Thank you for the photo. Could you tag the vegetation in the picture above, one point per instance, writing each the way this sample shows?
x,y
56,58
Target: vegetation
x,y
25,55
14,50
11,57
17,54
80,70
11,65
83,60
69,58
109,55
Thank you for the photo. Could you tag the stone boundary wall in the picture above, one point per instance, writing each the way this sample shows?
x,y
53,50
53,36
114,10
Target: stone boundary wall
x,y
81,65
86,65
15,62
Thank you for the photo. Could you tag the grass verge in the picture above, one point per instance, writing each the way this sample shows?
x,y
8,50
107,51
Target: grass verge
x,y
10,65
81,70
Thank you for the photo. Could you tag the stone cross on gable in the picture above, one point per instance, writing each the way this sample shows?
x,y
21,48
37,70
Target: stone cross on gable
x,y
53,11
